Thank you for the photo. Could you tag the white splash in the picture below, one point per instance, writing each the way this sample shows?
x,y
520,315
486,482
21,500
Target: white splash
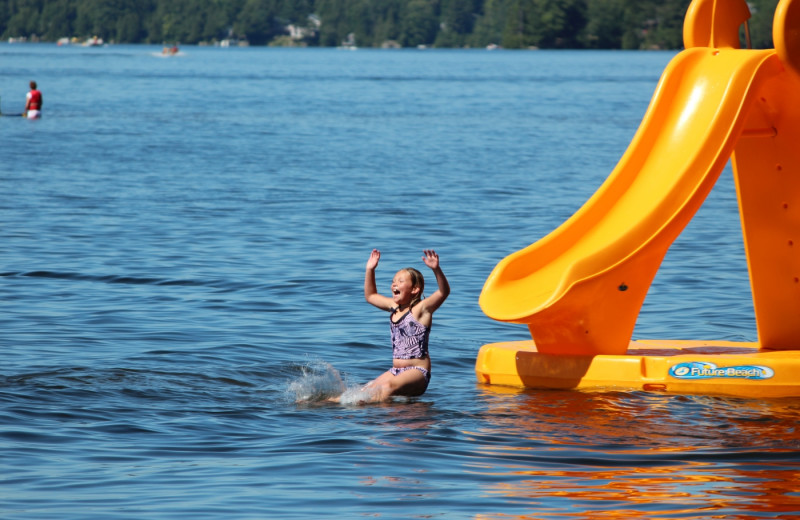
x,y
355,395
319,382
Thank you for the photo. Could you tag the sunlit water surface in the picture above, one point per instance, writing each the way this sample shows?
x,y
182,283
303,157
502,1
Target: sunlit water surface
x,y
183,248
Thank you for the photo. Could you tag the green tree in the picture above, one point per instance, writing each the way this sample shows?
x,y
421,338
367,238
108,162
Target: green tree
x,y
667,30
23,18
521,17
489,25
457,20
419,24
605,24
215,22
129,28
295,11
257,21
388,16
333,28
762,14
57,19
557,23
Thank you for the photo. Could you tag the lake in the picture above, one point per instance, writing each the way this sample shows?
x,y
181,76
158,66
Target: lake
x,y
183,251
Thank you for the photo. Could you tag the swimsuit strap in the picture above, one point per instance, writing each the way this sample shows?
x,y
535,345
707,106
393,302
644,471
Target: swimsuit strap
x,y
395,309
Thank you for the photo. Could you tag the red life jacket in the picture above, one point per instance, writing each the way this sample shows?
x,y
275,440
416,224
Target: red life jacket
x,y
36,100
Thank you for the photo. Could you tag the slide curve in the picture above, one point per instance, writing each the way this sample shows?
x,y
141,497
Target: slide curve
x,y
580,288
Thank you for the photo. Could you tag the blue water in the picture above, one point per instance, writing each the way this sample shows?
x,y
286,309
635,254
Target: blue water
x,y
183,249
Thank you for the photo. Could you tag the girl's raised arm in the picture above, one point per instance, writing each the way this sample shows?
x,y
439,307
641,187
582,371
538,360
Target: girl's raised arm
x,y
370,289
435,300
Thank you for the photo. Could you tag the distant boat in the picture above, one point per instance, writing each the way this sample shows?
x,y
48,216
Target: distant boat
x,y
233,42
94,41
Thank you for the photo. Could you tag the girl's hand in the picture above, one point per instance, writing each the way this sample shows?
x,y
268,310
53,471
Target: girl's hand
x,y
374,257
431,259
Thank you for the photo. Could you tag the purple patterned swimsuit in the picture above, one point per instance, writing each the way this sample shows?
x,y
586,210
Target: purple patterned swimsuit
x,y
409,341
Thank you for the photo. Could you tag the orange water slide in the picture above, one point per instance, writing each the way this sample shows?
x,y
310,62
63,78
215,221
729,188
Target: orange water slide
x,y
580,288
767,175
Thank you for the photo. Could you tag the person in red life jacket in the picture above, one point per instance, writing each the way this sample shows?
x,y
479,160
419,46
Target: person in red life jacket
x,y
33,105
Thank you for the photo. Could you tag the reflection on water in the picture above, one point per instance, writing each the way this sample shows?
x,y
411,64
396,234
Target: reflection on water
x,y
687,490
635,455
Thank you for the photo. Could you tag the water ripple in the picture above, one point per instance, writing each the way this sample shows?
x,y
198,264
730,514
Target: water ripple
x,y
132,280
182,289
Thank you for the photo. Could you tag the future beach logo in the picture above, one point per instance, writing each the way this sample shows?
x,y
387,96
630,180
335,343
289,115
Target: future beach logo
x,y
706,370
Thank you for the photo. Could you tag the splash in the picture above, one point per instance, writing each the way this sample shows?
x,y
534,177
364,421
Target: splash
x,y
356,395
319,381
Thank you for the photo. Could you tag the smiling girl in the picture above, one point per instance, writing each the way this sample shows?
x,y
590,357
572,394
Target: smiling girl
x,y
411,317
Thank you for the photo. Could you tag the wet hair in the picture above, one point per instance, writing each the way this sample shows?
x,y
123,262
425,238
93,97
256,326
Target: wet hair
x,y
416,281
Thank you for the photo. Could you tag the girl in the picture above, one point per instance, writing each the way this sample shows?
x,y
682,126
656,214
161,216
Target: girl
x,y
410,323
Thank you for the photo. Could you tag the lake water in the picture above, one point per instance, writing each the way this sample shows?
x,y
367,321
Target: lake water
x,y
183,249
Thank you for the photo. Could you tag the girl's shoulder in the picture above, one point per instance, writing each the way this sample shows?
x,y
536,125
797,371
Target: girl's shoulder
x,y
421,314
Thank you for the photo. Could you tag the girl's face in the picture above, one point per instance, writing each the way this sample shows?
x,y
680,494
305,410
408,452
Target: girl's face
x,y
403,289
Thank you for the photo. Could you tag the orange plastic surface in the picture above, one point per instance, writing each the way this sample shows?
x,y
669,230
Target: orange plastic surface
x,y
786,35
766,166
688,367
580,288
711,23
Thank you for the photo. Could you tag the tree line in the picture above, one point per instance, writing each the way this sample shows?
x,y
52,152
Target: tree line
x,y
512,24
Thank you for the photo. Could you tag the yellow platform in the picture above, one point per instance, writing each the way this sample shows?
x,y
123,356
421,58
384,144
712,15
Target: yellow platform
x,y
692,367
579,289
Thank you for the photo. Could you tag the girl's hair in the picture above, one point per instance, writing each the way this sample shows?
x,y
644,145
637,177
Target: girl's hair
x,y
416,281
